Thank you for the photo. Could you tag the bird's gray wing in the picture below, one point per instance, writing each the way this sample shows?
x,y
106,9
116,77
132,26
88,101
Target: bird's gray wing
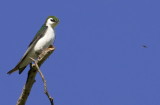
x,y
39,35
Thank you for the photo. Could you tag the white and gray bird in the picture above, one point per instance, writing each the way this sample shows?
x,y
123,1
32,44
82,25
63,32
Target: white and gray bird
x,y
43,39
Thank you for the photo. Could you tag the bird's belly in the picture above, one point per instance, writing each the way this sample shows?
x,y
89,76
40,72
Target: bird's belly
x,y
44,43
41,45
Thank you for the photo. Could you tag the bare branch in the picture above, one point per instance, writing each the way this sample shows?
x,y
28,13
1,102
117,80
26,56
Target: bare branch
x,y
44,81
32,74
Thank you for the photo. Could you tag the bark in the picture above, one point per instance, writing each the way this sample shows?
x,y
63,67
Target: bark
x,y
32,74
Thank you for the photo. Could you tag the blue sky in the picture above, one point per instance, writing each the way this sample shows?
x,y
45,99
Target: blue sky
x,y
99,58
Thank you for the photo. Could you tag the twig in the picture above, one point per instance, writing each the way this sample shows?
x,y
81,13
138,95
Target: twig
x,y
31,76
44,81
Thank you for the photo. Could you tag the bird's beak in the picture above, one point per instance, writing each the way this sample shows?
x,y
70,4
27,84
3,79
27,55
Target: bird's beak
x,y
57,21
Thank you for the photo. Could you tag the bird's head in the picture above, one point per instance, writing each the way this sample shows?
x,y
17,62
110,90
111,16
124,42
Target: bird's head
x,y
52,21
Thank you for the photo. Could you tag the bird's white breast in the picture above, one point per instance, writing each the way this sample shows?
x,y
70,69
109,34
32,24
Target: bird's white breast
x,y
46,40
42,44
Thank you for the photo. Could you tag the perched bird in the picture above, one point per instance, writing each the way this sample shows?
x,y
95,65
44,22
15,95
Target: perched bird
x,y
43,39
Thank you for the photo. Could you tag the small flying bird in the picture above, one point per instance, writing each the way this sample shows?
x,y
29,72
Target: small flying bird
x,y
144,46
43,39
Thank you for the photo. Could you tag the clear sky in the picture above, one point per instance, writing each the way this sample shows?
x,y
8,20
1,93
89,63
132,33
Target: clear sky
x,y
99,57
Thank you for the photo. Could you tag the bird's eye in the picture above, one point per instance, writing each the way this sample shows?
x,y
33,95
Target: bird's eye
x,y
53,20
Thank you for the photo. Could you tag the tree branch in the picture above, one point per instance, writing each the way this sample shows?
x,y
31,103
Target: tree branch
x,y
44,81
32,74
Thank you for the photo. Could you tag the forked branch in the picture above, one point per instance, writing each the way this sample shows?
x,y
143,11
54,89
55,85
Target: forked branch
x,y
31,76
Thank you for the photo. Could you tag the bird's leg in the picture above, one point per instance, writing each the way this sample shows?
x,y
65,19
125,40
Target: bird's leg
x,y
51,46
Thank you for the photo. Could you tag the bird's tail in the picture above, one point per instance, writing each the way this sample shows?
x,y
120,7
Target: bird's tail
x,y
13,70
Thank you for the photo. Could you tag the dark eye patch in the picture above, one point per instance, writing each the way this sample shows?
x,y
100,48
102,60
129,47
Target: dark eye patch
x,y
53,20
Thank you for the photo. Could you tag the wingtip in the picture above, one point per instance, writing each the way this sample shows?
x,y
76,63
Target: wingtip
x,y
11,71
8,73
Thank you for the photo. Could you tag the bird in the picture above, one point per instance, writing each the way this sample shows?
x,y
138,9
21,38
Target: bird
x,y
42,40
144,46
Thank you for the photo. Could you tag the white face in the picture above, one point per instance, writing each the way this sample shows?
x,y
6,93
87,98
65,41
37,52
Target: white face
x,y
51,22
